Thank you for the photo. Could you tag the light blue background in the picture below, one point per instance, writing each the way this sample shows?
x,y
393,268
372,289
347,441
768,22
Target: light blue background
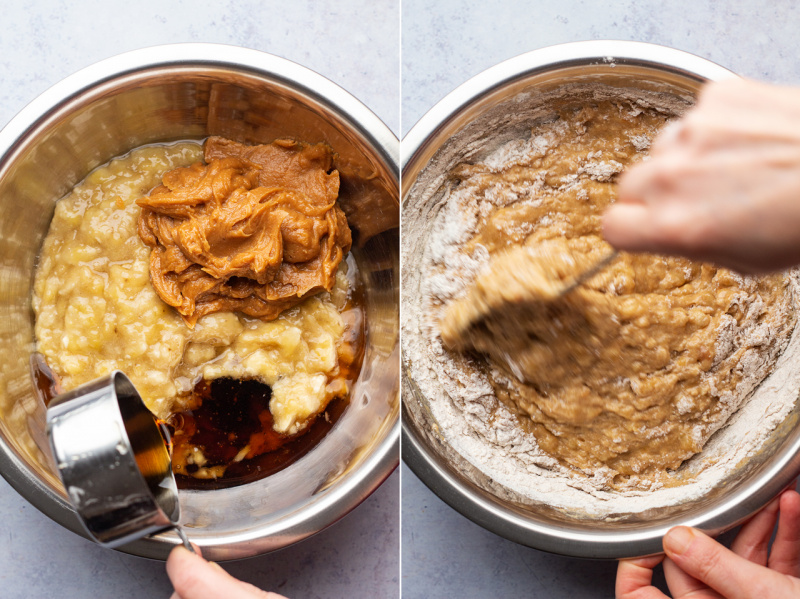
x,y
444,44
353,43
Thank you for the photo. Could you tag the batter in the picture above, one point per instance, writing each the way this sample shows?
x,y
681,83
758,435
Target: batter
x,y
634,370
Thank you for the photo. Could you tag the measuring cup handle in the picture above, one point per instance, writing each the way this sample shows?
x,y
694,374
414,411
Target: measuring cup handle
x,y
184,539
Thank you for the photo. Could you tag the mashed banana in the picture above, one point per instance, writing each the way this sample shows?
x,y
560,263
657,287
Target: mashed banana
x,y
635,369
97,311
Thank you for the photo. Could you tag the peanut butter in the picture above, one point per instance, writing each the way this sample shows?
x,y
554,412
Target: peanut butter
x,y
255,230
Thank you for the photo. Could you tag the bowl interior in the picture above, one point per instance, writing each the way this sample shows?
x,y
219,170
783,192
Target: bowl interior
x,y
506,109
46,155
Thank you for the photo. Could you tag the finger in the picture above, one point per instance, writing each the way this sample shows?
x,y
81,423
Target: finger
x,y
626,226
634,577
683,585
195,578
785,555
643,228
636,184
667,228
669,137
752,542
732,576
651,181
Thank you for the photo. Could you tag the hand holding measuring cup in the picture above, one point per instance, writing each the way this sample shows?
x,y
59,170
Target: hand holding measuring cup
x,y
114,461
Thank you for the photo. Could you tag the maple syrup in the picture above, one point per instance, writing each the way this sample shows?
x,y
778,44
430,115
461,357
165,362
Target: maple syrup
x,y
45,380
233,415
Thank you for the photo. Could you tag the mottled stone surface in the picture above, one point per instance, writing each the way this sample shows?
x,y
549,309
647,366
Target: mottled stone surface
x,y
355,44
444,44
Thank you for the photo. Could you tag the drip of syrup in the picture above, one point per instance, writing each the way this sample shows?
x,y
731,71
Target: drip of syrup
x,y
47,383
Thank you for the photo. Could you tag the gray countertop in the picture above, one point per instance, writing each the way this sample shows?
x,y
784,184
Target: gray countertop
x,y
444,44
355,44
447,42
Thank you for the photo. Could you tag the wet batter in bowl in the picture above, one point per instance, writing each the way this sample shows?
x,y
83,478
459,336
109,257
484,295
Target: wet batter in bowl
x,y
630,373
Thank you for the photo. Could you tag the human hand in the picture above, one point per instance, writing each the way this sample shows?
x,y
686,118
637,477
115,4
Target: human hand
x,y
195,578
696,566
721,185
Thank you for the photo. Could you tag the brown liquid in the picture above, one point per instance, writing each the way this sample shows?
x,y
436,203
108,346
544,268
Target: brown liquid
x,y
233,414
45,380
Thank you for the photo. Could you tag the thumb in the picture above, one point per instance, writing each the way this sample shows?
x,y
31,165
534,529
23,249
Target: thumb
x,y
195,578
727,573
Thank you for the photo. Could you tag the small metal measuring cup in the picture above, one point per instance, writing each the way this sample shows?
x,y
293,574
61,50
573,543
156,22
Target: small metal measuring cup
x,y
114,460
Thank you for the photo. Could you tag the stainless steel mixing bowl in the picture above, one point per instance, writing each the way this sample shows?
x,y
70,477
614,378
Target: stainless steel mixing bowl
x,y
429,149
190,91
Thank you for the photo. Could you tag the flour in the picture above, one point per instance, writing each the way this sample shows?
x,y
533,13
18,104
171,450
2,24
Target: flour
x,y
601,171
463,408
